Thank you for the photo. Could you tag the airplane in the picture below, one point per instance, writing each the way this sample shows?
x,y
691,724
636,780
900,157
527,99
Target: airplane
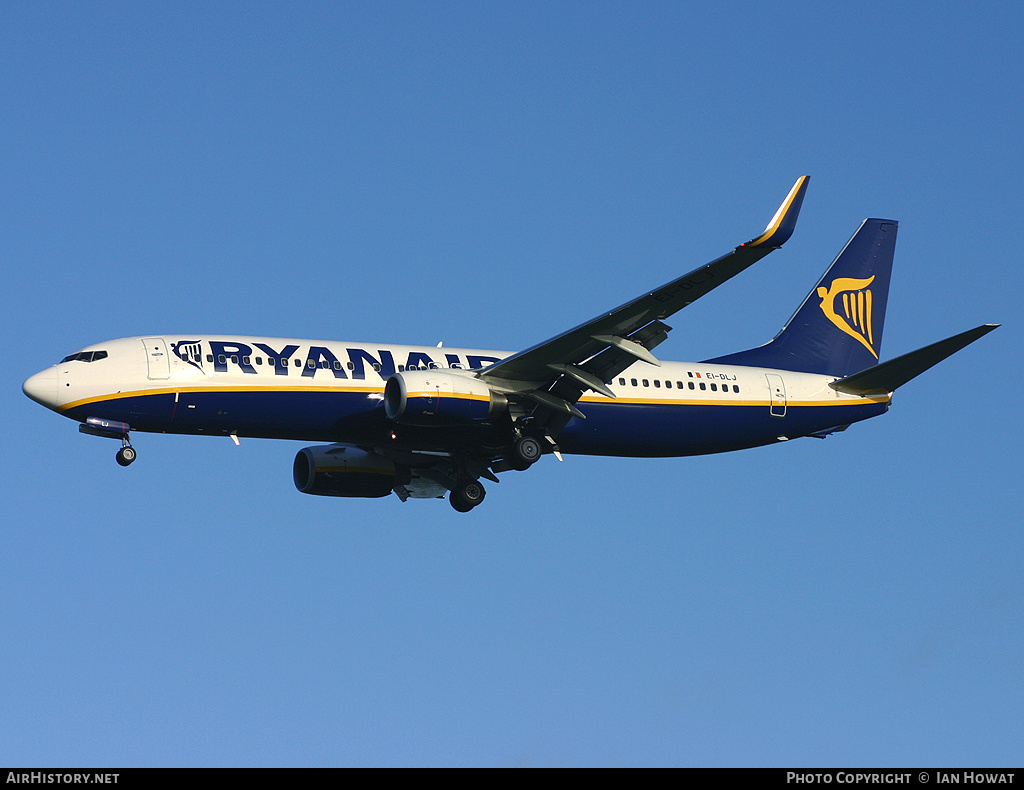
x,y
426,421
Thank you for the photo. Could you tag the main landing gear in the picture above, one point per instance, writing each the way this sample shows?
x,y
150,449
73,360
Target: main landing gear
x,y
525,453
467,495
469,492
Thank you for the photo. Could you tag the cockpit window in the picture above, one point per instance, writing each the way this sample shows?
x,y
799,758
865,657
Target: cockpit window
x,y
85,356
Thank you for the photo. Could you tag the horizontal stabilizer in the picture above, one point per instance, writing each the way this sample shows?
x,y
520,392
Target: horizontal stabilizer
x,y
887,376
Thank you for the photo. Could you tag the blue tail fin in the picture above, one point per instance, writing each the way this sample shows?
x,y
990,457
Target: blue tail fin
x,y
838,329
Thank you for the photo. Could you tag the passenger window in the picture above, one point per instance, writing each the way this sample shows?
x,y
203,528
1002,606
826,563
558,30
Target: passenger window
x,y
714,388
679,385
223,360
209,357
668,385
622,382
735,388
646,383
657,384
703,386
690,384
259,360
633,381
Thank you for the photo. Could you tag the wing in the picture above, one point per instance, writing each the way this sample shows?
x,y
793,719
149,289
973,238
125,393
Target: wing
x,y
555,373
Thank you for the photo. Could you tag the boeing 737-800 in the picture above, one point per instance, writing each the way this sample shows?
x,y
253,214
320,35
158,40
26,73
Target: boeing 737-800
x,y
423,421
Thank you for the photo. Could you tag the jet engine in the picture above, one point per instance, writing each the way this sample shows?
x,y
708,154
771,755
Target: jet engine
x,y
342,470
440,397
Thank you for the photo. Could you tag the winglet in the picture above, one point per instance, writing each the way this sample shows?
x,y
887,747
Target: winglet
x,y
781,227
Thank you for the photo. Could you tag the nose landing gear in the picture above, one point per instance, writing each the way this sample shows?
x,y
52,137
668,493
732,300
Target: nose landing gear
x,y
96,426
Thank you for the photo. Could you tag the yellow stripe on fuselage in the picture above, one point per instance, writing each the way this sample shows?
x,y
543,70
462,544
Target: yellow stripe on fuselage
x,y
182,390
441,394
731,402
466,396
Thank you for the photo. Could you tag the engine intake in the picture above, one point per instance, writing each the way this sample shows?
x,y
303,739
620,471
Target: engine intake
x,y
342,470
440,397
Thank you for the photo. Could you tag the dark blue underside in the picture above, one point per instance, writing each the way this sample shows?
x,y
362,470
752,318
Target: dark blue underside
x,y
610,429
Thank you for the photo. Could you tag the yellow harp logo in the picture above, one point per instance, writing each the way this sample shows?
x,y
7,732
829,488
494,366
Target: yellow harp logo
x,y
853,315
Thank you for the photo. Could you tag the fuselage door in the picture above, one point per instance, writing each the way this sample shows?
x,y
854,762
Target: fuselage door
x,y
777,391
157,362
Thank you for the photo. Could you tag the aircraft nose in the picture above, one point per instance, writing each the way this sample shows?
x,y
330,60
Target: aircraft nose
x,y
42,388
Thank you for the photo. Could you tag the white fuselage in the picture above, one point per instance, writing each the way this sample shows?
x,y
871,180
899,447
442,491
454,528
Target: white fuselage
x,y
307,389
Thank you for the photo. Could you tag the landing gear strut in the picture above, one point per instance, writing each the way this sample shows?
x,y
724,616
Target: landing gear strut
x,y
467,495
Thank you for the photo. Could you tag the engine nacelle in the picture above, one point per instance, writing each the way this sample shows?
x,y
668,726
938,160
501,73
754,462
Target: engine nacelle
x,y
342,470
440,397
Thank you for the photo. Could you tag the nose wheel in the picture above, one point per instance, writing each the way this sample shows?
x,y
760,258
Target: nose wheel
x,y
126,454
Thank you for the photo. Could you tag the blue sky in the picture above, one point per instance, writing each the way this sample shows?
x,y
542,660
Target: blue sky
x,y
489,175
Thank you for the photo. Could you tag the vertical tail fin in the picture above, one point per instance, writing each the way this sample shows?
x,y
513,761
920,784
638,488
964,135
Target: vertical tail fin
x,y
838,328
